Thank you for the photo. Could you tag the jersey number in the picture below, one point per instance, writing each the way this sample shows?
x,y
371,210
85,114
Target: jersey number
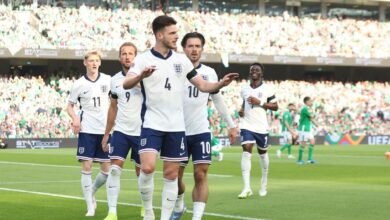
x,y
167,84
127,96
206,148
193,91
96,101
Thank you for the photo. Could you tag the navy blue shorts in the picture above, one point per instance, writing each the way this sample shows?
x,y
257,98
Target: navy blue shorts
x,y
120,146
249,137
89,147
199,147
171,145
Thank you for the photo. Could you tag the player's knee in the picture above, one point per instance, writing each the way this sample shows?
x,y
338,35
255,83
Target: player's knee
x,y
115,170
200,175
147,169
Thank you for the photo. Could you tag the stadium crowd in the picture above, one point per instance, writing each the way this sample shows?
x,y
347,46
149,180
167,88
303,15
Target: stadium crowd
x,y
84,28
35,108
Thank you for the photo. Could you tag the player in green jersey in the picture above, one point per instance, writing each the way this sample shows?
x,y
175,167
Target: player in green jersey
x,y
305,129
288,131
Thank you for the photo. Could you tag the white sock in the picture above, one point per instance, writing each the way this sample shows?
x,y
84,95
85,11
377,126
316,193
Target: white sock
x,y
246,163
198,210
169,195
146,188
86,186
264,163
179,205
113,186
100,180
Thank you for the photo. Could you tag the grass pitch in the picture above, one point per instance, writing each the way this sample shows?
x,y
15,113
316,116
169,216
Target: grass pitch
x,y
349,182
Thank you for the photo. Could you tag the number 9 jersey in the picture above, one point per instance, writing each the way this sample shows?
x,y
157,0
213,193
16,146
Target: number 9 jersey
x,y
94,101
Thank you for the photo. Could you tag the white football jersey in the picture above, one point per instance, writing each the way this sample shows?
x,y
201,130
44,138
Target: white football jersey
x,y
195,103
128,117
163,91
255,117
94,102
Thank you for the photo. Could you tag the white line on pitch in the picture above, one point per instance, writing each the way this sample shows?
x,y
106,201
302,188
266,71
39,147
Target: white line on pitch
x,y
69,166
121,203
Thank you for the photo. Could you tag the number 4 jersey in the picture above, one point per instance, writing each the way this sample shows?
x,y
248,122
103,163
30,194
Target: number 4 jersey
x,y
94,102
163,91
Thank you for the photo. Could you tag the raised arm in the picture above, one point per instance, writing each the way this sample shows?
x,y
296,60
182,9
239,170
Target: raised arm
x,y
132,79
210,87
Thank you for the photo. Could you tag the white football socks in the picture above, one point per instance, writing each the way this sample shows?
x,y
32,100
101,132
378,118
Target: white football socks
x,y
169,196
198,210
100,180
146,188
113,187
86,185
264,164
179,205
246,163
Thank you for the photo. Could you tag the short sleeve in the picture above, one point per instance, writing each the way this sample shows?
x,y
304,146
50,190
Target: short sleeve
x,y
271,95
74,93
138,65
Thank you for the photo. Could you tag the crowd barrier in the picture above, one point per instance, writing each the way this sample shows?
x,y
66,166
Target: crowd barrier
x,y
334,139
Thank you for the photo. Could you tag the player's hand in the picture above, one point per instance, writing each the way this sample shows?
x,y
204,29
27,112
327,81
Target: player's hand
x,y
105,145
253,100
148,71
241,112
228,78
233,135
76,127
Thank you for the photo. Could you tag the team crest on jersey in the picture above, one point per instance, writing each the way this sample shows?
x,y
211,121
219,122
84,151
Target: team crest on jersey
x,y
260,95
81,150
205,77
104,88
178,68
143,142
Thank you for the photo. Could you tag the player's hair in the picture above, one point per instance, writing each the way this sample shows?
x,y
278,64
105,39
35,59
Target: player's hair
x,y
93,52
257,64
161,22
128,44
193,35
307,98
290,104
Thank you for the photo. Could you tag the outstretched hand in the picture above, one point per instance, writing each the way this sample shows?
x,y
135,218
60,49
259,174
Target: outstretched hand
x,y
228,78
148,71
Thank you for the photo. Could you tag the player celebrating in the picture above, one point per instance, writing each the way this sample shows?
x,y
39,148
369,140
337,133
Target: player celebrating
x,y
258,97
125,113
197,128
91,91
288,131
162,73
305,129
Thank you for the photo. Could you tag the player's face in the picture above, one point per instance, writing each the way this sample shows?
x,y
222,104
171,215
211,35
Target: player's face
x,y
92,63
309,102
193,49
292,108
169,37
127,56
255,72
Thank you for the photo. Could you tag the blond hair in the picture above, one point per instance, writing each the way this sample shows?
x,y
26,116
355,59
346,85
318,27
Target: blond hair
x,y
93,52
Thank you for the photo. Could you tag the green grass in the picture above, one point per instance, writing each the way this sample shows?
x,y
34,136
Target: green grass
x,y
349,182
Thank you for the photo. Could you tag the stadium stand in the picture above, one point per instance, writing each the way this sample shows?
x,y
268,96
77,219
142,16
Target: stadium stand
x,y
87,27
